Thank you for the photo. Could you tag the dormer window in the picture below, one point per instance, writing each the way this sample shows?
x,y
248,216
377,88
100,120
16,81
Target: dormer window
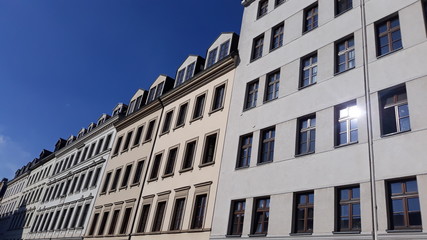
x,y
152,94
131,107
212,57
101,120
190,71
180,78
160,89
138,103
223,50
81,133
91,127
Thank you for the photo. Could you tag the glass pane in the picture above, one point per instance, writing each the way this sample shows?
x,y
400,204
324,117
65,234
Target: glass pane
x,y
353,123
395,36
343,112
356,223
356,193
309,224
303,137
341,47
383,41
343,126
403,110
382,28
312,146
396,188
411,186
356,209
397,45
300,225
303,148
344,194
311,198
344,210
351,42
398,219
351,63
300,214
413,204
404,124
341,58
397,205
310,213
384,50
353,136
302,199
415,218
394,23
344,223
343,138
313,122
304,124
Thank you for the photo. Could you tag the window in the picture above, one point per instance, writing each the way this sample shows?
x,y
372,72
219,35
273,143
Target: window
x,y
117,148
125,221
394,111
138,172
89,177
348,209
126,176
106,182
261,216
94,222
143,218
127,142
262,8
309,70
211,57
170,164
251,94
199,211
237,217
68,219
190,71
311,18
404,205
107,142
388,36
98,148
76,217
79,185
180,121
84,215
278,2
158,217
257,47
150,130
180,78
344,55
113,223
267,145
209,149
151,94
167,122
223,50
277,37
346,123
342,6
178,214
304,212
103,223
306,135
190,150
218,100
131,107
272,86
159,91
199,106
116,180
138,135
156,166
95,178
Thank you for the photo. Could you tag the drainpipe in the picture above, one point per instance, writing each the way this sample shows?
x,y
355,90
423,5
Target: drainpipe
x,y
146,172
371,157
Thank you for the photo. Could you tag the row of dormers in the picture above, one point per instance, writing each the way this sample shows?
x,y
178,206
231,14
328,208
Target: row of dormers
x,y
222,47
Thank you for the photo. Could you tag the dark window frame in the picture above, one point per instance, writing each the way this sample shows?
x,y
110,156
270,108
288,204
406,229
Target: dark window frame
x,y
199,106
237,217
251,95
263,218
178,212
199,211
208,158
272,82
349,54
267,144
348,5
312,69
170,163
159,216
167,122
399,97
257,47
218,97
387,21
155,168
243,147
306,206
182,114
349,122
262,8
301,130
277,34
352,200
188,158
311,18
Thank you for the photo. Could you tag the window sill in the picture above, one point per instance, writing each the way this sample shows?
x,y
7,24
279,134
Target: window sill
x,y
389,53
121,188
206,164
233,236
134,146
347,144
254,59
124,150
257,235
146,141
404,230
346,232
263,163
167,175
258,17
216,110
164,133
395,133
111,191
342,13
307,31
269,100
178,126
248,108
153,179
185,170
242,167
300,234
344,71
134,185
304,154
306,86
274,49
196,118
114,155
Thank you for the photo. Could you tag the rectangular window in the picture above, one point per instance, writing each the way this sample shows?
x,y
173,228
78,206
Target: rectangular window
x,y
106,182
223,50
262,8
261,216
404,205
306,135
92,148
167,122
389,38
272,86
138,135
180,77
178,214
127,141
199,106
95,178
245,151
93,226
131,107
158,217
237,217
267,145
199,211
308,70
311,16
190,71
211,57
98,147
73,186
156,166
151,94
84,215
251,94
394,110
277,36
103,223
346,123
118,143
345,58
159,91
342,6
107,142
113,223
116,179
170,164
257,46
190,150
348,209
209,149
180,121
126,176
125,221
218,98
76,217
87,182
138,172
278,2
304,207
79,185
68,219
84,156
143,218
150,130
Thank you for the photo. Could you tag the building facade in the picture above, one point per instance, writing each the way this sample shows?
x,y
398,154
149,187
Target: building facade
x,y
326,132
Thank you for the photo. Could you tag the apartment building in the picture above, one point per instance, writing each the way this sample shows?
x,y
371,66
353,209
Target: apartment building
x,y
326,131
74,181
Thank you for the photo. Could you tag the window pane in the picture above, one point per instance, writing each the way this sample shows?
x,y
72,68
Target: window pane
x,y
344,194
411,186
353,136
413,204
403,110
397,205
398,219
356,223
356,193
415,218
344,210
311,198
344,223
397,45
356,209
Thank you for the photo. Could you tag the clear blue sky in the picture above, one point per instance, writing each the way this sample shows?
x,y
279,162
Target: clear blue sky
x,y
65,62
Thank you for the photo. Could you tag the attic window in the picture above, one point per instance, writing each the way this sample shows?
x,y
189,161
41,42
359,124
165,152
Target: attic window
x,y
180,77
152,94
211,57
190,71
117,111
160,89
223,50
101,121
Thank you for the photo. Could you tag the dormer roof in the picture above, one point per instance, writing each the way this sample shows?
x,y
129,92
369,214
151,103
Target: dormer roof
x,y
159,87
119,109
190,67
102,119
81,132
225,44
60,144
137,101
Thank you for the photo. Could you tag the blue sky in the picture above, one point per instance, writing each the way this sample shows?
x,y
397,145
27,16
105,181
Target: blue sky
x,y
64,63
